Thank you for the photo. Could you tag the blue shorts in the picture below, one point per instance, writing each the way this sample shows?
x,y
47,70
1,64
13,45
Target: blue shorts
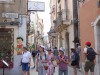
x,y
25,67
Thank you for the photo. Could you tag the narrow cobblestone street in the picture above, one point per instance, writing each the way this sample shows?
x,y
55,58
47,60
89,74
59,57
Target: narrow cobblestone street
x,y
70,72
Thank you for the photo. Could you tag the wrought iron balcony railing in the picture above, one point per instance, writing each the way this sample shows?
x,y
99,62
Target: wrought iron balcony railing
x,y
61,18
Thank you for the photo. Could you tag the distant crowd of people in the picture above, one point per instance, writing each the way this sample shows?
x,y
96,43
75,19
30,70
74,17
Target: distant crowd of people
x,y
45,61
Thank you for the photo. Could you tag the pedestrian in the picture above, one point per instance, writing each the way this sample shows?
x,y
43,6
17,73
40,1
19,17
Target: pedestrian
x,y
26,61
90,55
55,52
62,61
33,56
78,50
74,60
50,58
41,61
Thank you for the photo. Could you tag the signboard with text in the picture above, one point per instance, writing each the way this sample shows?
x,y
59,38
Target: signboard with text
x,y
10,15
36,6
7,1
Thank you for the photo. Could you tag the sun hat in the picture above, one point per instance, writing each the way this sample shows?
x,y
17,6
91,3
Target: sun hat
x,y
61,49
42,46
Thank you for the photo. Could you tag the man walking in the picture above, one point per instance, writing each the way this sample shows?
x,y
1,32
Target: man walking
x,y
90,55
55,52
33,56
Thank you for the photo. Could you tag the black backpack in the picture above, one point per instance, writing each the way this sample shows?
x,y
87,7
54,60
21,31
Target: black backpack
x,y
91,54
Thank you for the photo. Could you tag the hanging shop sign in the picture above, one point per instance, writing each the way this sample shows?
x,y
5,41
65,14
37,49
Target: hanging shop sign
x,y
36,6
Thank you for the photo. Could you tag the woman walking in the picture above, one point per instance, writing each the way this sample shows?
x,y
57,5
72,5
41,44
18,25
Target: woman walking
x,y
62,62
75,60
41,61
50,58
25,61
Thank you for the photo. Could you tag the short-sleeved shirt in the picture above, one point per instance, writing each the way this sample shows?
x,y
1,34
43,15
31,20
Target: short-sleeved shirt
x,y
26,57
63,65
85,50
55,52
34,53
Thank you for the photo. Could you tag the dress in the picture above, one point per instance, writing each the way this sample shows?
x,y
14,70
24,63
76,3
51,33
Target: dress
x,y
50,70
41,70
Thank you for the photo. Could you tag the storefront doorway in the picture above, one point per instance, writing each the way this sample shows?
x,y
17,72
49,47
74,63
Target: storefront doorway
x,y
6,46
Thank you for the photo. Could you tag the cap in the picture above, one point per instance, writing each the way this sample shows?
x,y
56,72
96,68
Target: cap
x,y
88,43
61,49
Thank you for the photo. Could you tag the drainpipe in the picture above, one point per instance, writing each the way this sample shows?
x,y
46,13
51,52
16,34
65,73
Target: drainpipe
x,y
76,24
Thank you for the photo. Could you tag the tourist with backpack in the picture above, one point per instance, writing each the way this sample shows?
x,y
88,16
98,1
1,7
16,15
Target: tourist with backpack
x,y
74,60
90,56
41,61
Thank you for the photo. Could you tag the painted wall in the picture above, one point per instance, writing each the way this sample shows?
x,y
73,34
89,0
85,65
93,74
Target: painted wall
x,y
87,14
17,31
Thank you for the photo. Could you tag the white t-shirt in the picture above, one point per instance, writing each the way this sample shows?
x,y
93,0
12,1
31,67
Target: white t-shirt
x,y
26,57
85,50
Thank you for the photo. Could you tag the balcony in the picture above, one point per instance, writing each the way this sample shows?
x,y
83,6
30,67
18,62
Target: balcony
x,y
61,19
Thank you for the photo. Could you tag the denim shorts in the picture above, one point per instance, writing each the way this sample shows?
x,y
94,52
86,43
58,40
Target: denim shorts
x,y
25,67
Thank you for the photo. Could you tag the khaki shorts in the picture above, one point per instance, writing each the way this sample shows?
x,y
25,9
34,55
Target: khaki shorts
x,y
89,65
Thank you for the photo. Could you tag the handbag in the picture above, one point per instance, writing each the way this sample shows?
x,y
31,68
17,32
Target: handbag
x,y
45,67
54,63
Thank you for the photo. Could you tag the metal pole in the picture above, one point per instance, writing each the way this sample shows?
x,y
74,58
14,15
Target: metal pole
x,y
3,68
